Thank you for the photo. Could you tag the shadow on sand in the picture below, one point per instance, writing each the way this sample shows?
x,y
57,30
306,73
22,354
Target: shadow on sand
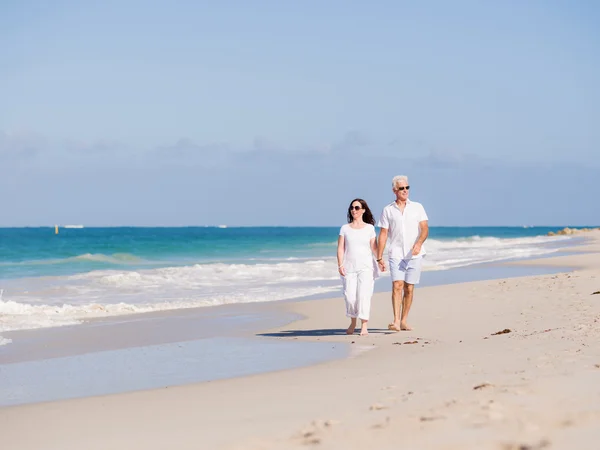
x,y
322,332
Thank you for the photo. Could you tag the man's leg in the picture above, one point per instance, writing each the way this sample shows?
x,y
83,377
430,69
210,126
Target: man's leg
x,y
413,276
397,289
406,304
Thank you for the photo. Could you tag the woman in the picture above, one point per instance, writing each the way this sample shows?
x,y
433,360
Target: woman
x,y
356,254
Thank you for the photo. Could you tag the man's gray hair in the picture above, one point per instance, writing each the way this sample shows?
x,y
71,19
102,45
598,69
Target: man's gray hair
x,y
398,179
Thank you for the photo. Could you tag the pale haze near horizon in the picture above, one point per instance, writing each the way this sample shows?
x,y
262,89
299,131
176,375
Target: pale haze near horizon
x,y
280,113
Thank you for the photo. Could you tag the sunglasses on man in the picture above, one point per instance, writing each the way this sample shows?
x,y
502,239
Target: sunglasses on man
x,y
401,188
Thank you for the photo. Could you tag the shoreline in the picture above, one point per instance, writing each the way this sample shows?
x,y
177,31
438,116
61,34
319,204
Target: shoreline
x,y
522,385
506,268
69,296
193,327
184,333
134,330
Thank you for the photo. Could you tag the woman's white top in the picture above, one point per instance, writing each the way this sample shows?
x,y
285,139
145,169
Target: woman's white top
x,y
357,247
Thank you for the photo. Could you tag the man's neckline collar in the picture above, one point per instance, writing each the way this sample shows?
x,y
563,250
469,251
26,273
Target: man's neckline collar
x,y
396,204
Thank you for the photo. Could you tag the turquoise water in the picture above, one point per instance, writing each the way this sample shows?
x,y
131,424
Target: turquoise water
x,y
49,279
34,252
39,252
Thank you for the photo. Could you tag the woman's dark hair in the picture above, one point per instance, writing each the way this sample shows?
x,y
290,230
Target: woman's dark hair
x,y
367,215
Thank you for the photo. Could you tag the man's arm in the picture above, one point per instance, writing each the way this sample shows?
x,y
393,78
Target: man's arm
x,y
423,234
383,233
423,231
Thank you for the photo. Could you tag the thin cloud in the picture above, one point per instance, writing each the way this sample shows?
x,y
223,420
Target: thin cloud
x,y
19,146
186,151
264,145
99,147
353,142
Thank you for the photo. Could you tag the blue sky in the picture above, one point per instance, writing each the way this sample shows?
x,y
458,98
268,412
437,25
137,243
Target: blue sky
x,y
279,113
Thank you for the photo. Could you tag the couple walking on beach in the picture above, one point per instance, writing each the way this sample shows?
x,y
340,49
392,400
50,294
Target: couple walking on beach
x,y
360,255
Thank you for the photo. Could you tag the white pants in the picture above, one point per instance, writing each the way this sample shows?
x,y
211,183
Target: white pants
x,y
358,290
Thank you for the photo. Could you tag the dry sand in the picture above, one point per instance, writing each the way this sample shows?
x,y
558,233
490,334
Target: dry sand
x,y
452,383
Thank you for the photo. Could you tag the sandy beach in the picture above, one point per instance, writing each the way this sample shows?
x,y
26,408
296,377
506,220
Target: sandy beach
x,y
502,364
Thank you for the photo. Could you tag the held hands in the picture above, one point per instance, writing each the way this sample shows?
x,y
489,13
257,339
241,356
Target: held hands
x,y
381,264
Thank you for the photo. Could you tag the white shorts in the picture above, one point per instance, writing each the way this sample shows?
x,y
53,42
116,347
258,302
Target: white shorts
x,y
407,270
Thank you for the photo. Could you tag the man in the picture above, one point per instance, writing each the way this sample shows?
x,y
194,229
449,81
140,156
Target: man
x,y
405,224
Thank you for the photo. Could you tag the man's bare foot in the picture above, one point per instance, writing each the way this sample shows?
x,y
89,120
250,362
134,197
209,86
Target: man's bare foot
x,y
364,331
405,327
394,326
352,326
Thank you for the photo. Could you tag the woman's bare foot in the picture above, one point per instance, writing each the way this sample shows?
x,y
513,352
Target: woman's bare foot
x,y
363,328
405,327
352,326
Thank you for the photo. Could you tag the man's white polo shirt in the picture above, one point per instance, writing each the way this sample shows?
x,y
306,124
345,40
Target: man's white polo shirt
x,y
403,228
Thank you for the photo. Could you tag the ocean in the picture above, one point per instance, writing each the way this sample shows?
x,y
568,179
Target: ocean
x,y
49,279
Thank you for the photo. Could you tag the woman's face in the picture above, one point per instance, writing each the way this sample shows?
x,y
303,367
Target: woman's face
x,y
357,210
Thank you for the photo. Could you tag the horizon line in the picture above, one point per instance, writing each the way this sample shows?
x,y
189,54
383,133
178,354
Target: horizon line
x,y
223,226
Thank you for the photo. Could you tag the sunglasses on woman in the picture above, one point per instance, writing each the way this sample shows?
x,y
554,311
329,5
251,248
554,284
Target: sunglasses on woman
x,y
355,208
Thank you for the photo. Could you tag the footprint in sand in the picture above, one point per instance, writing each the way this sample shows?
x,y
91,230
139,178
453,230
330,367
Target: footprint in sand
x,y
377,407
544,443
310,438
430,418
384,424
312,435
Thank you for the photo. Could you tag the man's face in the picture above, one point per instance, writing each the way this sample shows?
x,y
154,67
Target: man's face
x,y
401,191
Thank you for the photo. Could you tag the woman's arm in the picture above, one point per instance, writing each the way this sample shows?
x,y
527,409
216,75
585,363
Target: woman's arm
x,y
383,234
340,256
374,247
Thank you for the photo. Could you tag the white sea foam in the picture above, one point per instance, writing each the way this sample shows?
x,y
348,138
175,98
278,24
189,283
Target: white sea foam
x,y
116,258
16,315
475,249
66,300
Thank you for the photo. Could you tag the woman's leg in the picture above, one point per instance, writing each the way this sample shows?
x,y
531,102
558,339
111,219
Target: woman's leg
x,y
364,292
350,283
